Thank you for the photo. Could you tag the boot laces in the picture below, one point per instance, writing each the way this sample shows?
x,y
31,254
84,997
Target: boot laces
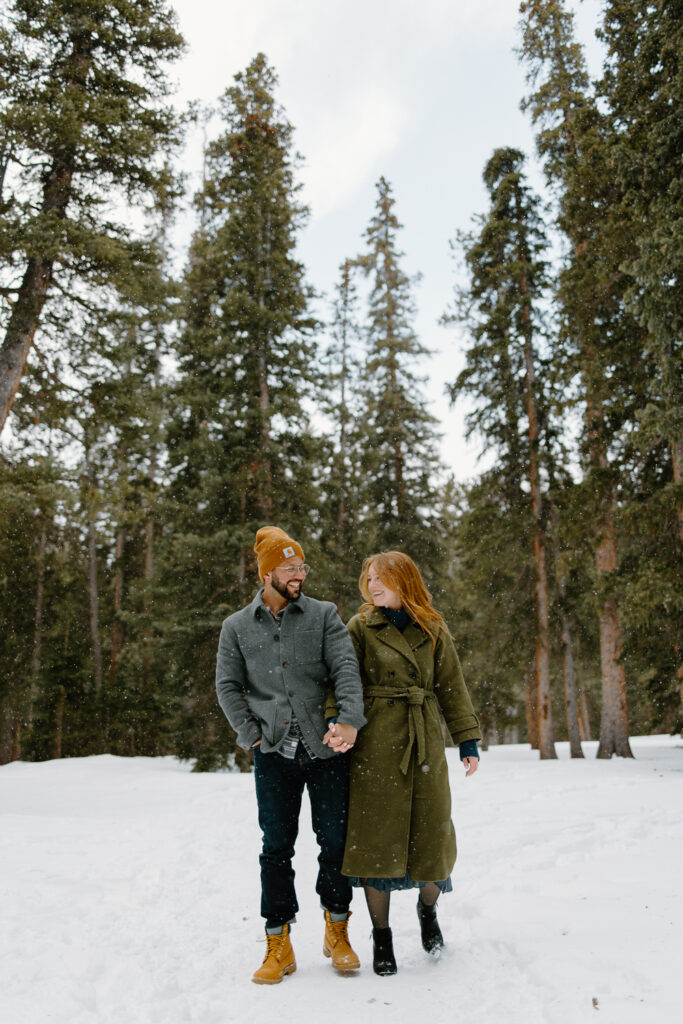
x,y
274,945
339,930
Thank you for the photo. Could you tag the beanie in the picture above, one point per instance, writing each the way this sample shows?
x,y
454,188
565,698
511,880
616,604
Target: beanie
x,y
273,547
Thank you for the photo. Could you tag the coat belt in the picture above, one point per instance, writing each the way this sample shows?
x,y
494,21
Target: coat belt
x,y
414,696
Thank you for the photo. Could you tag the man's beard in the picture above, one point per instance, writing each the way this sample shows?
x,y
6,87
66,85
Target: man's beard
x,y
281,588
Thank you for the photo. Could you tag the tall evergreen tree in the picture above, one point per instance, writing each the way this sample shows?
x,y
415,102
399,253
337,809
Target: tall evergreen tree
x,y
399,458
502,303
240,445
602,345
82,91
342,485
642,85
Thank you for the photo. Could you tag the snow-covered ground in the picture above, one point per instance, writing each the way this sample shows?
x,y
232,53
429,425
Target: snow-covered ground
x,y
129,894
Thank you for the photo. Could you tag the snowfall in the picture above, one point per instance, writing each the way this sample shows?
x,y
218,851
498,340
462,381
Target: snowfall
x,y
129,891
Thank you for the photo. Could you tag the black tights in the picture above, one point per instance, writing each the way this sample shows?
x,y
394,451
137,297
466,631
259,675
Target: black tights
x,y
378,902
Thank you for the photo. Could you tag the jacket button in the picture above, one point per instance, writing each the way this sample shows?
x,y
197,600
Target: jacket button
x,y
286,721
413,676
285,664
291,693
392,673
276,637
390,703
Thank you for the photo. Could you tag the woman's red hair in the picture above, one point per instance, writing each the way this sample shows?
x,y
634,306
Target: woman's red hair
x,y
399,572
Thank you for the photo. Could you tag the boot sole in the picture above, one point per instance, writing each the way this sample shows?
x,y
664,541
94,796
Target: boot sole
x,y
275,981
342,968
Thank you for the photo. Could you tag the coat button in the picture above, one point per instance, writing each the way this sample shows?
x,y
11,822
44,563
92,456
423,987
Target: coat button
x,y
286,721
276,637
291,693
285,664
392,673
412,675
390,703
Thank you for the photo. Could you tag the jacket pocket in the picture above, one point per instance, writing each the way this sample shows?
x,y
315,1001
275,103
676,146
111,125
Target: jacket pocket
x,y
269,716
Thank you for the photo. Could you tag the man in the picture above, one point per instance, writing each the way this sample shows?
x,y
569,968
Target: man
x,y
277,660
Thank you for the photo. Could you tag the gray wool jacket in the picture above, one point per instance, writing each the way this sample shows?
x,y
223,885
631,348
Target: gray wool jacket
x,y
264,673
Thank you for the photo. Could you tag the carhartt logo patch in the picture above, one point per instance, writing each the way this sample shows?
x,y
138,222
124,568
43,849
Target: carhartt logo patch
x,y
288,552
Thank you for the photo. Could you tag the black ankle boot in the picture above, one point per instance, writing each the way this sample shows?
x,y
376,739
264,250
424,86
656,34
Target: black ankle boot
x,y
432,939
383,960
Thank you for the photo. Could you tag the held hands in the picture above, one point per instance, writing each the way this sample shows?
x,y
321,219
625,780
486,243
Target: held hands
x,y
340,737
471,764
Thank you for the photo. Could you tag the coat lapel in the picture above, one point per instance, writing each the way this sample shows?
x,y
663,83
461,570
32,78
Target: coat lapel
x,y
406,642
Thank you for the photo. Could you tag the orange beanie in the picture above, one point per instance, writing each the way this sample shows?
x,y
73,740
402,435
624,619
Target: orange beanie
x,y
273,547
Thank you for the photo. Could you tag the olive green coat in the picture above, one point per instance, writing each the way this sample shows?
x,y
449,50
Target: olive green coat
x,y
400,800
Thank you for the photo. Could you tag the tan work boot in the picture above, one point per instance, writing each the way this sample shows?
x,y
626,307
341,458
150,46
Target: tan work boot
x,y
278,961
336,944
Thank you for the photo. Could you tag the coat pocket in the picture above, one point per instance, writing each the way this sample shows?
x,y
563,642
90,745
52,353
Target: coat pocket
x,y
269,716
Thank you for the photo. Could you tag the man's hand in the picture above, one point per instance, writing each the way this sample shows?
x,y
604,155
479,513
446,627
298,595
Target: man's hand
x,y
471,764
340,737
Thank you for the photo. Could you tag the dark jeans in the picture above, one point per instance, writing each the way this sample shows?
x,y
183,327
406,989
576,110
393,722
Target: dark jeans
x,y
279,787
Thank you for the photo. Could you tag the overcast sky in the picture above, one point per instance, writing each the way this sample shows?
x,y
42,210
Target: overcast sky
x,y
420,91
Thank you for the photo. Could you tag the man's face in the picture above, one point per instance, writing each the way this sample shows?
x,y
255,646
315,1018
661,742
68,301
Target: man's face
x,y
288,579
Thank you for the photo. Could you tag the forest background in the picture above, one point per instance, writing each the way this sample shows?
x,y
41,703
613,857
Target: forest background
x,y
163,399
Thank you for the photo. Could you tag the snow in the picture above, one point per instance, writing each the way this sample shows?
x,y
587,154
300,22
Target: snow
x,y
129,893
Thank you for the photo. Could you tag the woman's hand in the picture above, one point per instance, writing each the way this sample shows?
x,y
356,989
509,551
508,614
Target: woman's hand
x,y
471,764
340,737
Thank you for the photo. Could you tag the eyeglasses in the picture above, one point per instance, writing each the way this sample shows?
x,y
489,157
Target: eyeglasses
x,y
294,570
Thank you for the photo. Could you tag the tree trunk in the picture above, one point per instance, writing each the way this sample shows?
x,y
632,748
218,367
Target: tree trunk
x,y
546,744
343,419
614,715
399,458
21,330
531,706
147,640
117,627
59,723
568,675
264,476
37,278
93,594
569,678
37,630
585,732
6,732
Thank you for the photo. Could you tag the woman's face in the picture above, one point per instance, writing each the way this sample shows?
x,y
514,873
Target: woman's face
x,y
382,596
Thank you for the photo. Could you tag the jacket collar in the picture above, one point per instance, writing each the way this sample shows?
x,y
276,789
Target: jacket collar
x,y
406,642
257,604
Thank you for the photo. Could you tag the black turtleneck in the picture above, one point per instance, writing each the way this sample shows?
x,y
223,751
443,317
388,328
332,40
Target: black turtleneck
x,y
398,617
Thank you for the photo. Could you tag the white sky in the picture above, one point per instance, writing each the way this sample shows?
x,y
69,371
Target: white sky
x,y
420,91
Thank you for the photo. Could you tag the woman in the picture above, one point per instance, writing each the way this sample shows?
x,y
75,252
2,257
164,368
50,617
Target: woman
x,y
400,834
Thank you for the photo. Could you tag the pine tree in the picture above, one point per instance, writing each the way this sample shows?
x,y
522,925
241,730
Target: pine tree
x,y
490,600
82,91
342,485
399,456
241,451
502,308
100,419
602,344
643,87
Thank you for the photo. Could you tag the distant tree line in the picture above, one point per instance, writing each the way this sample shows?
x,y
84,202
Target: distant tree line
x,y
153,420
